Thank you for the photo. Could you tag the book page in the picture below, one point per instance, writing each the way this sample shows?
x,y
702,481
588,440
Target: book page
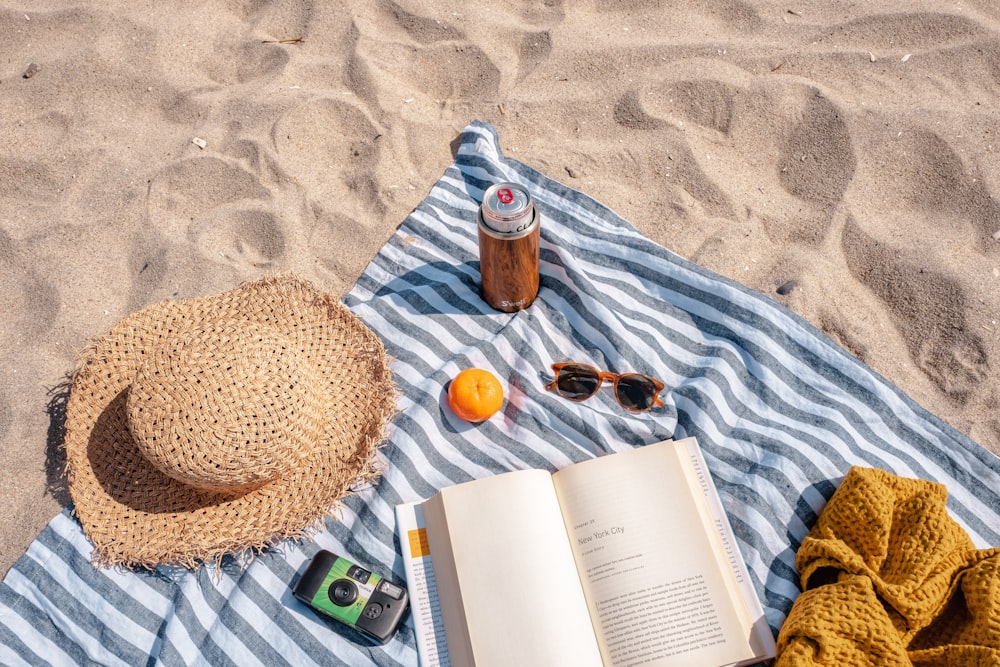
x,y
425,606
509,590
698,477
655,585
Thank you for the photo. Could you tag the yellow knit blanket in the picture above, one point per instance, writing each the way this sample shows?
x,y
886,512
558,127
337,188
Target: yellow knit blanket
x,y
889,578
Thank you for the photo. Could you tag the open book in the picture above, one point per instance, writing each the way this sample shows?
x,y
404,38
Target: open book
x,y
623,560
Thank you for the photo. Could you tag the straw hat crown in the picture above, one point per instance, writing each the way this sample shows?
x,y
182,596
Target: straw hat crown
x,y
226,408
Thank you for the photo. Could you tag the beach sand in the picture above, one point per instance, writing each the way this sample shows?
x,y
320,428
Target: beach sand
x,y
841,157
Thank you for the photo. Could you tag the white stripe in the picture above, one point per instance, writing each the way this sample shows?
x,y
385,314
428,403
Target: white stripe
x,y
29,636
7,655
62,573
193,588
62,619
263,625
137,588
418,457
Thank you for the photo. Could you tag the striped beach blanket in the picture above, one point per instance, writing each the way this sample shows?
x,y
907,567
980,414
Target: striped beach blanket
x,y
781,414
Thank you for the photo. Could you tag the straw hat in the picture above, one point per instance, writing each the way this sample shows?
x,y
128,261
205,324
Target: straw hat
x,y
199,427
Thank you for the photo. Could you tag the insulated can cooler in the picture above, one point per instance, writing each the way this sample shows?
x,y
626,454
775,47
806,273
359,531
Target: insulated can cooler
x,y
509,233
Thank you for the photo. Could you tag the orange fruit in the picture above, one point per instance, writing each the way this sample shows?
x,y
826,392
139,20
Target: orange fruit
x,y
475,394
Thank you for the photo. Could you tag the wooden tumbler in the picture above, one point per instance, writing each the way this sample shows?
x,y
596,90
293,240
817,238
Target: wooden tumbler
x,y
508,257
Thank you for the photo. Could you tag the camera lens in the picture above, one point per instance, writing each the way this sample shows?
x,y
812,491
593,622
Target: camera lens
x,y
343,592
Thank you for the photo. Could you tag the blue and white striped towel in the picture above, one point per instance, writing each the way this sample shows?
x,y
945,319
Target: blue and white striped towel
x,y
781,414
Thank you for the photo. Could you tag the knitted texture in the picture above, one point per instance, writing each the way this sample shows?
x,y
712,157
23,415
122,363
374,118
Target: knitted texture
x,y
221,424
889,578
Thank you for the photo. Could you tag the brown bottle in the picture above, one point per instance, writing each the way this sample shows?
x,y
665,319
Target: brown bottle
x,y
509,233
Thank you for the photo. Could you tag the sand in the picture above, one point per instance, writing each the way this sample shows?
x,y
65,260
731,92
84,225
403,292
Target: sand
x,y
840,157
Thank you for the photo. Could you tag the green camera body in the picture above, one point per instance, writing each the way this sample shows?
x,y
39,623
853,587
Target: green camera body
x,y
358,598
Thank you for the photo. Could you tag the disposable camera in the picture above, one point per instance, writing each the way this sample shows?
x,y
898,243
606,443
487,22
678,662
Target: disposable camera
x,y
356,597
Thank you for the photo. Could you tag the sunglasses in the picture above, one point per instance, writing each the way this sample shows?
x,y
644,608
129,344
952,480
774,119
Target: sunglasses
x,y
634,391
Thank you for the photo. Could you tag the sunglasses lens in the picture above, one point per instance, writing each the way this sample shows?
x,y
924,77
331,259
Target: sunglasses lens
x,y
636,392
576,382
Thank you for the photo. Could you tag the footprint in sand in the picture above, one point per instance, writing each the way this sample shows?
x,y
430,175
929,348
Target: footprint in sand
x,y
929,309
242,55
28,301
801,161
905,30
707,103
242,61
818,160
204,214
438,66
41,167
423,29
331,148
256,207
332,151
185,190
917,178
426,59
532,12
672,101
231,204
439,72
532,50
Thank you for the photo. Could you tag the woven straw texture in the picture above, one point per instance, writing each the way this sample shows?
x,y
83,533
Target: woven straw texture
x,y
891,579
221,424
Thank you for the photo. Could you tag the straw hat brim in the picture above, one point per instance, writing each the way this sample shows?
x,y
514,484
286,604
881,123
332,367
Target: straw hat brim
x,y
137,516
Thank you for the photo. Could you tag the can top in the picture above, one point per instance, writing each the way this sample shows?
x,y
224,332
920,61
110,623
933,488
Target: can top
x,y
506,203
